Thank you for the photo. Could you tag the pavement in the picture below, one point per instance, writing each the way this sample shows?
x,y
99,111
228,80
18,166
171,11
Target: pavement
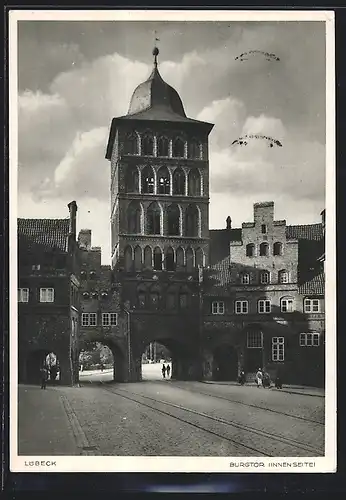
x,y
167,417
290,389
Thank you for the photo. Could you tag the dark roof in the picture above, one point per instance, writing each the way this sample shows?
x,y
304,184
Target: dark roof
x,y
50,233
315,286
219,243
305,232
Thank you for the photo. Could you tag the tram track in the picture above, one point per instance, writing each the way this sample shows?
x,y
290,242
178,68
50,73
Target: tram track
x,y
250,405
204,422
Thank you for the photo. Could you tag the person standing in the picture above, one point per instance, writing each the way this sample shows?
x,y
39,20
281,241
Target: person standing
x,y
259,378
168,370
44,377
242,377
163,371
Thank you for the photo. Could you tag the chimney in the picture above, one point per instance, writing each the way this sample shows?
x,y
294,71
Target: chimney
x,y
72,206
228,223
84,238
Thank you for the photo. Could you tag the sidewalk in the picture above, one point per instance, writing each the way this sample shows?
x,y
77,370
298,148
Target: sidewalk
x,y
43,424
290,389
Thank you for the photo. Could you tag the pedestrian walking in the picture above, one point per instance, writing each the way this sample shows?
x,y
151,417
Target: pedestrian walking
x,y
278,380
168,370
44,377
242,377
266,380
259,378
163,371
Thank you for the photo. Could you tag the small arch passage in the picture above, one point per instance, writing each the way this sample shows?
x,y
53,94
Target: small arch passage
x,y
38,359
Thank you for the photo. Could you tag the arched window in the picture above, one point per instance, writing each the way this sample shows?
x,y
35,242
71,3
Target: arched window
x,y
147,180
131,144
171,298
277,248
128,258
283,276
194,148
162,146
264,249
141,296
184,298
250,250
138,258
154,297
194,182
192,221
178,148
265,277
132,180
199,257
173,216
163,181
148,145
179,181
157,259
180,258
189,259
169,259
148,257
134,217
154,219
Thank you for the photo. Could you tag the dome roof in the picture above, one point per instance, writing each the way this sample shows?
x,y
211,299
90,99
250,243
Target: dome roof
x,y
156,93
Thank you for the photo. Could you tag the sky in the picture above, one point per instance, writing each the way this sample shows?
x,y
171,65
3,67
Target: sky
x,y
75,76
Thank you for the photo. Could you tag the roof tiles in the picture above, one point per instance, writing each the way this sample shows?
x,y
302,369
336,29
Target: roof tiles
x,y
50,233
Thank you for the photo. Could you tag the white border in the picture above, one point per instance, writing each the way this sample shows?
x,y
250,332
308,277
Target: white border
x,y
180,464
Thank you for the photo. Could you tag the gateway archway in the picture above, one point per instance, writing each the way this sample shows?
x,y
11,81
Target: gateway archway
x,y
156,356
101,361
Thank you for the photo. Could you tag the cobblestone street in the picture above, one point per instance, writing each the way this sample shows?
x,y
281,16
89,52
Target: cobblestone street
x,y
170,418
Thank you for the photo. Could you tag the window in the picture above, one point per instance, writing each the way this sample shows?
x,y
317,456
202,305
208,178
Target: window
x,y
264,306
132,180
264,249
283,276
218,308
128,258
263,229
134,217
36,267
191,221
254,340
169,259
245,278
131,145
194,149
109,319
148,180
46,294
157,259
154,219
162,146
23,294
194,183
89,319
179,148
173,216
250,250
148,145
190,258
163,181
180,257
286,305
241,307
312,305
179,181
278,349
309,339
199,257
265,277
277,248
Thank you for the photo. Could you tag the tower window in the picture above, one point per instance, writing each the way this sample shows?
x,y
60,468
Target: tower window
x,y
189,259
199,257
283,276
194,182
277,248
134,217
179,182
179,148
154,219
132,181
148,145
192,221
157,259
194,150
131,144
173,215
264,229
162,146
164,181
169,260
148,180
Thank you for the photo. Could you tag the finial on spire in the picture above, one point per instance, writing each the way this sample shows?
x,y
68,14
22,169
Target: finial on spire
x,y
155,49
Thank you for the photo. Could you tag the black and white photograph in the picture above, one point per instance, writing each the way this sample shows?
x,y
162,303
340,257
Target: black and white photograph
x,y
172,246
